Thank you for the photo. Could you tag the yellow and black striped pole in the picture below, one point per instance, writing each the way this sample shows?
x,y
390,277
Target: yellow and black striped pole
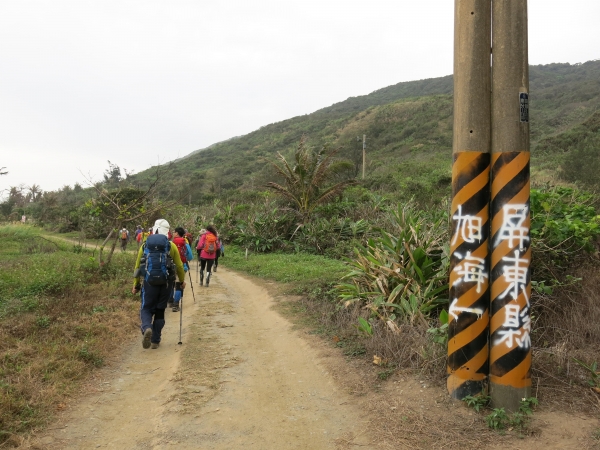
x,y
510,325
468,332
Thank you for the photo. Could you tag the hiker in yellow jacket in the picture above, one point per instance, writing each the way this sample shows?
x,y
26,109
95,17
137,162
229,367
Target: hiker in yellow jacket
x,y
158,282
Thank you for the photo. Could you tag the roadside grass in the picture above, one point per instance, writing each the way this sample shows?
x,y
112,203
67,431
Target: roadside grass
x,y
60,319
302,271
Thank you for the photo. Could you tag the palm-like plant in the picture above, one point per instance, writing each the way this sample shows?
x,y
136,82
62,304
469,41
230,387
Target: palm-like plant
x,y
306,183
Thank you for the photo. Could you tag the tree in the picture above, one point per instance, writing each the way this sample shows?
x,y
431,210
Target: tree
x,y
118,203
305,183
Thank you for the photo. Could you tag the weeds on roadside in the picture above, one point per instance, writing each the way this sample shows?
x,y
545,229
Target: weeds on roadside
x,y
499,419
477,402
402,275
592,369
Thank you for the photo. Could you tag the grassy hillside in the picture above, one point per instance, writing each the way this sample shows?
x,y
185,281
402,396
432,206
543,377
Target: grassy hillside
x,y
409,136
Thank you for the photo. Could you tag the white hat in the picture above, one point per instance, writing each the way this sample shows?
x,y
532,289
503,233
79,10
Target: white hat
x,y
161,226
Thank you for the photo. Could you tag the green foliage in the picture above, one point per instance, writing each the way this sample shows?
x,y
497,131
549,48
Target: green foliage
x,y
43,321
498,419
592,369
563,220
477,402
364,327
439,335
30,272
89,356
307,272
309,182
403,273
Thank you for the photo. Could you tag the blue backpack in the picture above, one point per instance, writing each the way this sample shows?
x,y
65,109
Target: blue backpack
x,y
156,260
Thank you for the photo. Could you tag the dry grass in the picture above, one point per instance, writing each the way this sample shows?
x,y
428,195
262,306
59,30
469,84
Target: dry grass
x,y
47,354
568,327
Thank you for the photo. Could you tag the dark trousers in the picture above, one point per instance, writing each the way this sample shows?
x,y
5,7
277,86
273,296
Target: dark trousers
x,y
152,309
208,263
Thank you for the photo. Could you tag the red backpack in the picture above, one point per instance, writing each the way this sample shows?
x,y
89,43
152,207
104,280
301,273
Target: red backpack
x,y
210,243
180,243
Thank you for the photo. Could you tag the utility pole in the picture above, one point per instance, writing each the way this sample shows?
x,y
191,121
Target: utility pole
x,y
468,349
510,277
364,155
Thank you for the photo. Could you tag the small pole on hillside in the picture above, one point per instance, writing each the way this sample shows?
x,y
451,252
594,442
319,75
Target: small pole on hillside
x,y
364,154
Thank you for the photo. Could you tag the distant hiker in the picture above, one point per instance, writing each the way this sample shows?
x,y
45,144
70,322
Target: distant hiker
x,y
189,236
185,252
23,219
202,231
157,263
124,238
138,231
141,238
220,252
207,249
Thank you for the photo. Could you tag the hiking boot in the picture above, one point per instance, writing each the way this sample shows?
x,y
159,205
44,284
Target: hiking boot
x,y
147,337
175,307
215,269
154,345
207,279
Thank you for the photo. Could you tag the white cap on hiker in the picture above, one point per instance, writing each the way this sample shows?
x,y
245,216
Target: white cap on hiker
x,y
161,226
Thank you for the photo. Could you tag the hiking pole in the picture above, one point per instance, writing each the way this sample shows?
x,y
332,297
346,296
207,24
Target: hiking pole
x,y
180,317
192,286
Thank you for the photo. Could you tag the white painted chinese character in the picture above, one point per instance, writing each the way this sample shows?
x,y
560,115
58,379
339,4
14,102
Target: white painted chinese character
x,y
516,276
453,310
525,341
507,336
468,226
512,322
511,316
512,227
472,269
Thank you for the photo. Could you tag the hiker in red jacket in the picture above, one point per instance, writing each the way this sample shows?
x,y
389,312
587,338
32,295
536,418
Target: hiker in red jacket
x,y
208,248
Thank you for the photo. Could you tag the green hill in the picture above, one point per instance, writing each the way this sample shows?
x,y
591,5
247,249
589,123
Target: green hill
x,y
409,136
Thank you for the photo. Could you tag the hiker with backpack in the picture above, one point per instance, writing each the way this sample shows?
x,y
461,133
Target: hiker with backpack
x,y
157,266
185,252
124,238
138,231
207,251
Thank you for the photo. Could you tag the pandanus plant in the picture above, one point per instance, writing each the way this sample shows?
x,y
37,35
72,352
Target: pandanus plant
x,y
401,275
310,181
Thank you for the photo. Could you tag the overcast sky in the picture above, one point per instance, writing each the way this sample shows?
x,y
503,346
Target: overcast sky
x,y
141,82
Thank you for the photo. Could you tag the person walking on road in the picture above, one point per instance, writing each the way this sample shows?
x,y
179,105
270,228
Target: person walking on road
x,y
157,264
220,252
138,231
207,248
185,252
124,238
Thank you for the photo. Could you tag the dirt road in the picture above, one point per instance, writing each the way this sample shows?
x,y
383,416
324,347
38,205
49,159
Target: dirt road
x,y
241,379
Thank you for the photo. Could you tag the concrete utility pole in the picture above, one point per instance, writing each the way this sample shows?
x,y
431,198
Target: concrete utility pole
x,y
510,277
364,155
469,270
